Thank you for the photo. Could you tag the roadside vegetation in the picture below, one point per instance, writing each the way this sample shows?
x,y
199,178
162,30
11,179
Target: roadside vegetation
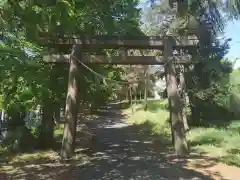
x,y
219,140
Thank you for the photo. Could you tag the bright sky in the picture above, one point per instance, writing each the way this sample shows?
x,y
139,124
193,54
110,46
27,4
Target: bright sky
x,y
232,31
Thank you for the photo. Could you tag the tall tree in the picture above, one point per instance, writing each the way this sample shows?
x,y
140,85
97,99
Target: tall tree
x,y
181,18
29,18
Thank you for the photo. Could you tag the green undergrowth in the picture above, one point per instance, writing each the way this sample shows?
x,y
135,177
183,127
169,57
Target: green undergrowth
x,y
221,143
150,118
58,132
6,156
39,163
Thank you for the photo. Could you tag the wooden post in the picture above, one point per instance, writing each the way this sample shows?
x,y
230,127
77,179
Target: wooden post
x,y
46,136
135,99
71,110
182,87
131,103
135,96
145,89
176,119
126,87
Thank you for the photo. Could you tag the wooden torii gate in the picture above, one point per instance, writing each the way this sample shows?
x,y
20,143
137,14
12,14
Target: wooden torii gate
x,y
167,44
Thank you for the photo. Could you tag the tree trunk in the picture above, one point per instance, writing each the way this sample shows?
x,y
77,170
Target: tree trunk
x,y
71,111
57,113
184,112
129,95
135,97
145,91
170,114
182,87
46,140
15,117
178,132
131,103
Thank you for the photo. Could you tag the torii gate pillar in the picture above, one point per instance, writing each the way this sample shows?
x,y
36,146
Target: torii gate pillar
x,y
72,103
174,99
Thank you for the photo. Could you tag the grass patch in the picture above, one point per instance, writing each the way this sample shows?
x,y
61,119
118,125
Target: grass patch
x,y
10,157
155,121
40,164
58,132
222,143
35,157
219,142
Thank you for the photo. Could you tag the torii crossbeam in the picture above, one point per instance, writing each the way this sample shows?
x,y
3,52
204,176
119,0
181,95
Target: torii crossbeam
x,y
167,44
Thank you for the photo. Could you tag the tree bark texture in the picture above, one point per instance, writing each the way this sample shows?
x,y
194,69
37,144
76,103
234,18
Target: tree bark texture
x,y
145,90
71,110
47,126
127,93
131,100
176,119
182,86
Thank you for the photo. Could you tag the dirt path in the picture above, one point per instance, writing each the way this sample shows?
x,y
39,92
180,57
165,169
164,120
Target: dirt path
x,y
122,153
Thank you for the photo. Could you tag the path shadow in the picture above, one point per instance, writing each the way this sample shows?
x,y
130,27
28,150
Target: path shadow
x,y
38,166
3,176
123,153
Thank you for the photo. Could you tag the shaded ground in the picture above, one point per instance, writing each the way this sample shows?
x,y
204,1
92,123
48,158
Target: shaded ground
x,y
122,152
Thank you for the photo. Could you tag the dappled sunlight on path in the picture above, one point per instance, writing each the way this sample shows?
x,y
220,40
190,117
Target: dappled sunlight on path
x,y
121,151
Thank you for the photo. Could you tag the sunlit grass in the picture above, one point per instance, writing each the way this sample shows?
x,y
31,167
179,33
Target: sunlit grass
x,y
39,155
221,143
155,119
41,165
44,164
58,131
13,162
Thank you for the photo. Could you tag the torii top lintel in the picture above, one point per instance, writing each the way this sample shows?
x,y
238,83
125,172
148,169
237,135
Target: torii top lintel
x,y
115,42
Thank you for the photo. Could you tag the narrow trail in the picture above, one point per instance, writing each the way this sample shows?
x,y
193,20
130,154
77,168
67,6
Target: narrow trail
x,y
122,153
